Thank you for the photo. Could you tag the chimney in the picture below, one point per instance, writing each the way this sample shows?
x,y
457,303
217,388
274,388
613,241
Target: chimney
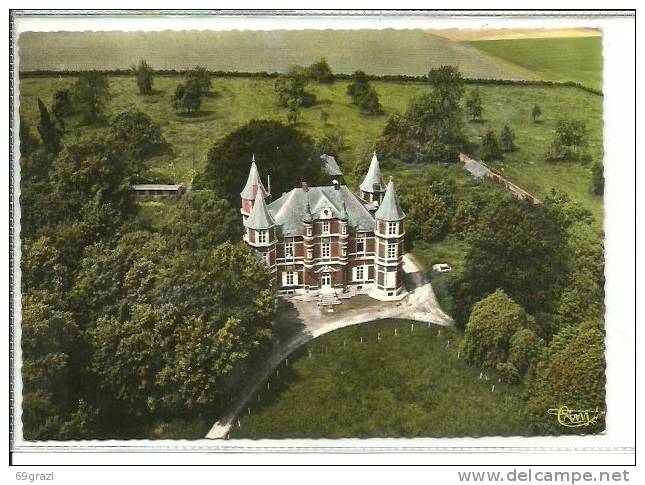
x,y
336,184
305,188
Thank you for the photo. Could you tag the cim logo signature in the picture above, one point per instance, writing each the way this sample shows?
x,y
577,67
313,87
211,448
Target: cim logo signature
x,y
576,418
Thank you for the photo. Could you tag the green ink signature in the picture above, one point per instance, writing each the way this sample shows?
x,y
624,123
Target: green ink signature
x,y
576,418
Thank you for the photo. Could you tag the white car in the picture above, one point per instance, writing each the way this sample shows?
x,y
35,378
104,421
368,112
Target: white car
x,y
441,268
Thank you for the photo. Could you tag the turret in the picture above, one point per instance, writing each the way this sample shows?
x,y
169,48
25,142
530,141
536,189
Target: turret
x,y
373,187
260,230
253,186
389,236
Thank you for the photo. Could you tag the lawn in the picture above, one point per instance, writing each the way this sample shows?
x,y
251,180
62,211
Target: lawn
x,y
411,384
577,59
239,100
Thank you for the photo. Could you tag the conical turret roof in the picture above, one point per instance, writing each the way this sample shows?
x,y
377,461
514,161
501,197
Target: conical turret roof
x,y
390,210
253,183
260,217
373,176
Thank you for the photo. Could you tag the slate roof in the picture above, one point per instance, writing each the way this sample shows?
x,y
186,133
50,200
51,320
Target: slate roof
x,y
290,210
390,210
373,176
330,166
476,169
260,217
253,180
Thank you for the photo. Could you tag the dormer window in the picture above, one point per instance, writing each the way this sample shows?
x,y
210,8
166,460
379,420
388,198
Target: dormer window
x,y
392,228
262,236
325,227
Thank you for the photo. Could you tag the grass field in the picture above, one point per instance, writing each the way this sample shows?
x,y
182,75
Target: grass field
x,y
389,51
407,385
240,99
577,59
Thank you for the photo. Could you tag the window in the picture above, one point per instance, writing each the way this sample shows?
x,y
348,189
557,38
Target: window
x,y
262,237
290,278
391,251
344,251
265,258
310,254
326,250
308,231
288,250
344,230
360,273
360,245
325,227
392,228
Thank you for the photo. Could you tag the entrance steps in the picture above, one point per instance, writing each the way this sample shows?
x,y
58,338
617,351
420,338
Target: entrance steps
x,y
328,298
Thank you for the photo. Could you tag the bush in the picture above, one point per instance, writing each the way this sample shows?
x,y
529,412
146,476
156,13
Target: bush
x,y
492,323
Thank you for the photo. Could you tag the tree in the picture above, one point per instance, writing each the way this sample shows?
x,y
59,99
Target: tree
x,y
211,316
188,96
491,149
291,89
525,349
91,93
321,72
90,168
583,295
363,95
49,340
474,105
570,141
28,142
191,227
427,216
144,74
597,179
286,154
62,106
358,85
332,143
493,322
517,247
41,266
432,128
536,112
368,102
570,372
137,135
201,78
507,139
49,133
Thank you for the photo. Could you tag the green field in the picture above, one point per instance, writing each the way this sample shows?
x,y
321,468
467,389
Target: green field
x,y
577,59
388,51
239,100
409,385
